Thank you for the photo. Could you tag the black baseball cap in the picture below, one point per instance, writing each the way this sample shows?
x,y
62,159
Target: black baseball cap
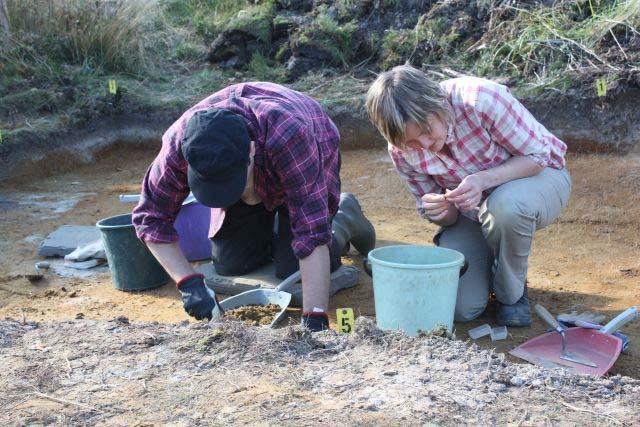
x,y
216,145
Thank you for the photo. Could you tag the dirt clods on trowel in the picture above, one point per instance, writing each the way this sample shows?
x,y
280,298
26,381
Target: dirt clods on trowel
x,y
255,315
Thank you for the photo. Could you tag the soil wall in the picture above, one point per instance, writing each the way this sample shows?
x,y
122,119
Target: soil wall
x,y
587,125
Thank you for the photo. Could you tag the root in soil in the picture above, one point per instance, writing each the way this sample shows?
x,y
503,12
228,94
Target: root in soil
x,y
255,315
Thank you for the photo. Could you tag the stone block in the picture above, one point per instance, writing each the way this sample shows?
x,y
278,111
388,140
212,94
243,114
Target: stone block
x,y
264,278
67,238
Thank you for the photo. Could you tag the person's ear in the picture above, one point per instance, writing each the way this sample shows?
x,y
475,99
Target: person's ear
x,y
252,148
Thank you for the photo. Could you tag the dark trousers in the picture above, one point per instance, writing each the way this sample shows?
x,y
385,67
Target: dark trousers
x,y
247,241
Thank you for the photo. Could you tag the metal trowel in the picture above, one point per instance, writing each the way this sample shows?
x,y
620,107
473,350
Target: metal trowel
x,y
565,355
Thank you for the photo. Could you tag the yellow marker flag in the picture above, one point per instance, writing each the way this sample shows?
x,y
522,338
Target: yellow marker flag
x,y
113,87
345,320
601,87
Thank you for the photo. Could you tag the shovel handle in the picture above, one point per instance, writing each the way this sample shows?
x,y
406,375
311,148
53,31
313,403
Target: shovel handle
x,y
620,320
548,318
287,283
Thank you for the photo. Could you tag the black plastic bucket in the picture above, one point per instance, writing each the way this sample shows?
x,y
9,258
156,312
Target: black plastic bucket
x,y
133,267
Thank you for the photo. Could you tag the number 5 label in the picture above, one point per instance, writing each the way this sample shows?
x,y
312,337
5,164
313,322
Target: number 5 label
x,y
345,320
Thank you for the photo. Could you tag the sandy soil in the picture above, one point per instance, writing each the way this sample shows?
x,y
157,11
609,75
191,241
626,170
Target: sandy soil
x,y
589,260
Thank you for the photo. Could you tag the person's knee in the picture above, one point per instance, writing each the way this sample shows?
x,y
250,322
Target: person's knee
x,y
466,312
503,212
284,270
232,268
237,262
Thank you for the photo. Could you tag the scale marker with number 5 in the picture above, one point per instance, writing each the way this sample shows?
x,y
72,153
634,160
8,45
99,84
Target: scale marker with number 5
x,y
345,319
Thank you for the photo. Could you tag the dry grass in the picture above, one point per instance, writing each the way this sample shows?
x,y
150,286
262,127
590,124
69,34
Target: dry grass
x,y
555,44
117,372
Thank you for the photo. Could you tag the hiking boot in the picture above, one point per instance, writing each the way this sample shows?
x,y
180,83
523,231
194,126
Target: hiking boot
x,y
351,226
518,314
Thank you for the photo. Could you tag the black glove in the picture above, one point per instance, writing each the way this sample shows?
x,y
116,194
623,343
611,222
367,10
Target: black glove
x,y
315,322
199,301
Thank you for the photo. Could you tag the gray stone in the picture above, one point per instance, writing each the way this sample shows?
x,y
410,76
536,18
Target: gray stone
x,y
497,388
517,381
59,268
42,265
264,278
83,265
67,238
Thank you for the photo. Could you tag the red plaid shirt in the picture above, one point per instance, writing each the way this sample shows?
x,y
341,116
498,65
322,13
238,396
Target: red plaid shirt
x,y
297,164
489,127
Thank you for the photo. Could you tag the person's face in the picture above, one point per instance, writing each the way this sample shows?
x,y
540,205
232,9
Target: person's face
x,y
433,141
249,195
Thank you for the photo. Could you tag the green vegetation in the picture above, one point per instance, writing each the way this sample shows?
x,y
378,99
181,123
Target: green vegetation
x,y
543,47
557,46
264,69
400,46
256,20
338,39
206,17
54,72
553,42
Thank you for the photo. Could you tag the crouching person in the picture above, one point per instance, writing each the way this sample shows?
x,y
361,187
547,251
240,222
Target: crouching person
x,y
257,154
480,166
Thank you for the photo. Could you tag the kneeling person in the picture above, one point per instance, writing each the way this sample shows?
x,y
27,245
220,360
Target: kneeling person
x,y
263,157
480,166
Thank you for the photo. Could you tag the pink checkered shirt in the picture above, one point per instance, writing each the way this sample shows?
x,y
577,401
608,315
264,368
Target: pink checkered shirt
x,y
489,127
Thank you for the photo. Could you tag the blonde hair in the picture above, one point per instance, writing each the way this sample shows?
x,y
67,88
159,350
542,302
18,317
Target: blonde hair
x,y
401,95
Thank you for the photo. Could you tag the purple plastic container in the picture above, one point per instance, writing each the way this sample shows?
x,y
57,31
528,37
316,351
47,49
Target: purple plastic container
x,y
192,225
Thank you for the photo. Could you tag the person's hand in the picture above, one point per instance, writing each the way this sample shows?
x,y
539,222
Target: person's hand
x,y
468,194
198,300
435,206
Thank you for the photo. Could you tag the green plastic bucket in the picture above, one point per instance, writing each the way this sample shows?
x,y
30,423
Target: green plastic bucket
x,y
133,267
415,287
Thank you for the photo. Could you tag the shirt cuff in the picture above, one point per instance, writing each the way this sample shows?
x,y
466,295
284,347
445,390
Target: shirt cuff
x,y
158,233
543,159
303,246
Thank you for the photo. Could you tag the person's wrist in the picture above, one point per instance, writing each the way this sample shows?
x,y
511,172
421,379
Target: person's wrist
x,y
191,278
484,180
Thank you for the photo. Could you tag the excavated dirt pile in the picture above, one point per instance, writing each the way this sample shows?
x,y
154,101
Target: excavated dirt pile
x,y
254,314
117,372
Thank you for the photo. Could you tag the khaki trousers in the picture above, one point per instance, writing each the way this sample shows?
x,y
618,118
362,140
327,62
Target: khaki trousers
x,y
497,248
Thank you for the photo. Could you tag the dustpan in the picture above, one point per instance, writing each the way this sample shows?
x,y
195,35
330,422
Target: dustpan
x,y
599,348
545,350
277,296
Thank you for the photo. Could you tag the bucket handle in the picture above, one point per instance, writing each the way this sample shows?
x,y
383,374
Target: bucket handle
x,y
367,267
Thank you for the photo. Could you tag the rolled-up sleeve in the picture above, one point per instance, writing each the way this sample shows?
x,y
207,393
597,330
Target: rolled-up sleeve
x,y
164,188
297,160
419,183
511,125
